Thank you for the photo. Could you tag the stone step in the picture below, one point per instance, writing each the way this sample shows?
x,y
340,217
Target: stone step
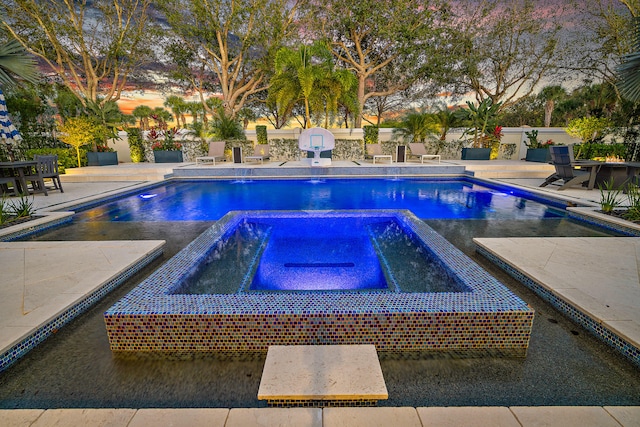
x,y
110,177
121,172
512,173
322,376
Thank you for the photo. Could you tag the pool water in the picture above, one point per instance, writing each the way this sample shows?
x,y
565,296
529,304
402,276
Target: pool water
x,y
322,253
426,198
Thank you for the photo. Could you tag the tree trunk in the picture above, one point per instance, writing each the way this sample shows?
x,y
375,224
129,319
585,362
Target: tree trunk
x,y
361,100
548,110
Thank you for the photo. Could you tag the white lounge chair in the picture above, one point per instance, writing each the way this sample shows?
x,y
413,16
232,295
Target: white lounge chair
x,y
417,150
260,152
374,151
216,152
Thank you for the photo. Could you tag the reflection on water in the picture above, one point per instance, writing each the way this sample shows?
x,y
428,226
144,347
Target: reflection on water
x,y
75,367
427,199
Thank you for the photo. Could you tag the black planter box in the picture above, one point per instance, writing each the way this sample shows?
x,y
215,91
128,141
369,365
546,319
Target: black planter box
x,y
106,158
476,153
541,155
165,156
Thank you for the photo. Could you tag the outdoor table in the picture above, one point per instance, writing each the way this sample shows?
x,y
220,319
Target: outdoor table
x,y
612,172
21,170
633,174
589,165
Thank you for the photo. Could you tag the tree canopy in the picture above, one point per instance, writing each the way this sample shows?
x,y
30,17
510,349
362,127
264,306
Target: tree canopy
x,y
506,49
234,40
93,47
371,36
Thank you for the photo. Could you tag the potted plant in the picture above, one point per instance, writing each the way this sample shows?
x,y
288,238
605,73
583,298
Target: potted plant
x,y
537,151
79,132
164,146
107,118
103,156
483,129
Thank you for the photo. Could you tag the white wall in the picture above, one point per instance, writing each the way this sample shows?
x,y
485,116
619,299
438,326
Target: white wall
x,y
511,136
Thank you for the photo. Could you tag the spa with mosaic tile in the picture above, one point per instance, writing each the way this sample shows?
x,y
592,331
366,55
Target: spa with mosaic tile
x,y
479,316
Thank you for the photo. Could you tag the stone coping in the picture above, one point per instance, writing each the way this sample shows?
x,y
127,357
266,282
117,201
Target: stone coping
x,y
324,372
490,416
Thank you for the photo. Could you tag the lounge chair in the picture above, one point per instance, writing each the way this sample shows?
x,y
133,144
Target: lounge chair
x,y
260,152
565,165
216,152
48,167
374,151
417,150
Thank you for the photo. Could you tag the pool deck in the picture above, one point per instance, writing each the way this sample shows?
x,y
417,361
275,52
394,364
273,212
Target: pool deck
x,y
574,269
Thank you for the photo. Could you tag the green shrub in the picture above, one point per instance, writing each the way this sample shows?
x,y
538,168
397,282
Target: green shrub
x,y
136,144
370,134
261,134
590,151
66,156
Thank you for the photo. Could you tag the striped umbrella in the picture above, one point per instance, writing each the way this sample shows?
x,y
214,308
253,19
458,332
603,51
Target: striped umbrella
x,y
7,129
8,132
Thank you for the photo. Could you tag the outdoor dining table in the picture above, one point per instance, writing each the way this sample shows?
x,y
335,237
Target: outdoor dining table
x,y
592,166
23,170
618,174
633,173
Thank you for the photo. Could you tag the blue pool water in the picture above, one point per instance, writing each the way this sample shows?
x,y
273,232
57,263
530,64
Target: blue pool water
x,y
319,253
427,199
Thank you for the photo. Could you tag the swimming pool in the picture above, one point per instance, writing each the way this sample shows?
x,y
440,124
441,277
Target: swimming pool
x,y
426,198
571,368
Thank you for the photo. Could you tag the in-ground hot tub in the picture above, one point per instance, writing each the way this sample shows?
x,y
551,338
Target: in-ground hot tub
x,y
260,278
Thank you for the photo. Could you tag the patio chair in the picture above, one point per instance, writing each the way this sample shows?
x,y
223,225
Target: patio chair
x,y
565,165
260,152
216,152
374,152
417,150
4,185
48,167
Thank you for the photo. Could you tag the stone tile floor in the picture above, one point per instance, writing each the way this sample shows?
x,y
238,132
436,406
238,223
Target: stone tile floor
x,y
619,305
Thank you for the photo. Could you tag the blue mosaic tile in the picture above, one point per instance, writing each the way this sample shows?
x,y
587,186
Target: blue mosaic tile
x,y
594,326
489,316
40,334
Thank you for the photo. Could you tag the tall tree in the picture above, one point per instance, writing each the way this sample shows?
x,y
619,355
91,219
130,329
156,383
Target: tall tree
x,y
550,95
371,36
605,36
507,47
92,46
233,39
178,107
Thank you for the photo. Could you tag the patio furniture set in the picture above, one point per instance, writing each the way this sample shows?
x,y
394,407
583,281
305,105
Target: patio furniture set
x,y
589,173
28,176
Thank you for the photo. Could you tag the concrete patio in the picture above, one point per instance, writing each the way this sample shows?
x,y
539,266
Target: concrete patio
x,y
617,307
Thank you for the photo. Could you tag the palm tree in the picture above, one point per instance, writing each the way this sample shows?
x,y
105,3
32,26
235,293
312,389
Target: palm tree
x,y
142,113
550,95
629,70
16,65
178,107
336,87
416,126
297,77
